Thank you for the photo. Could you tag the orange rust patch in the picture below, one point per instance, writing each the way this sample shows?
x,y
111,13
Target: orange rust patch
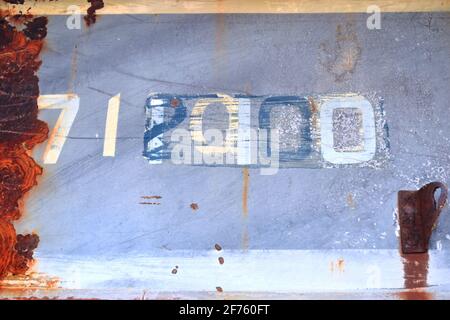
x,y
194,206
7,243
20,131
418,294
340,265
415,270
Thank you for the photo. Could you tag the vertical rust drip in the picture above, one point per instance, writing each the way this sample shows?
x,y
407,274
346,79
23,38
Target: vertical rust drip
x,y
91,17
20,131
415,268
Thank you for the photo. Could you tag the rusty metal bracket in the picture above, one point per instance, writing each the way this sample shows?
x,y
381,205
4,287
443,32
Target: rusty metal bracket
x,y
418,213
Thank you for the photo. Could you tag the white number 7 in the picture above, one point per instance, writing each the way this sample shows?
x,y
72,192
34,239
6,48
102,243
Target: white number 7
x,y
69,105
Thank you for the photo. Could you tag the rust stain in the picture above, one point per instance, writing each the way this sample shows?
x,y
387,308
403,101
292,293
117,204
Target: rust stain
x,y
218,247
20,131
351,201
415,294
245,185
194,206
221,260
418,213
245,237
341,265
91,16
174,103
415,269
151,197
175,270
338,265
340,59
219,289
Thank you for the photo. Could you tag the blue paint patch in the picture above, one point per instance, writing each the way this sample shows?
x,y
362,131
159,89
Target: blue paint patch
x,y
303,105
163,117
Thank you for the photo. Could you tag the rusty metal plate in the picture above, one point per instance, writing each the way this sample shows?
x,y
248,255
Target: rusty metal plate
x,y
418,215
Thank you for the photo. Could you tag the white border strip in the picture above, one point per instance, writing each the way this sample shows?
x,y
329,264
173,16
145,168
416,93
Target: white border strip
x,y
276,271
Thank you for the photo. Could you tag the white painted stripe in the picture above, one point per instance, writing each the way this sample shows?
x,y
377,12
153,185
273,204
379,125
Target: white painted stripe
x,y
69,105
276,271
112,121
244,133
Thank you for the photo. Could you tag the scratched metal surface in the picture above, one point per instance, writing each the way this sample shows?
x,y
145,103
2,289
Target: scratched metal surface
x,y
87,207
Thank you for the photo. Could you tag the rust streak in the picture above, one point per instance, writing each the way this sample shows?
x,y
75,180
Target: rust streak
x,y
245,186
415,268
91,16
416,294
341,265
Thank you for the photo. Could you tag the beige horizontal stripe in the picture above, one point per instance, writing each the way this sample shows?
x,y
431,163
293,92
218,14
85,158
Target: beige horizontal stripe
x,y
234,6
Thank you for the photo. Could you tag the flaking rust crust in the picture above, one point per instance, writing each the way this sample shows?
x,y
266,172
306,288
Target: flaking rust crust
x,y
21,41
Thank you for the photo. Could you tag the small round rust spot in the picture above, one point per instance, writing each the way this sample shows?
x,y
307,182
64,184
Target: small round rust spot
x,y
194,206
174,102
219,289
221,260
218,247
175,270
